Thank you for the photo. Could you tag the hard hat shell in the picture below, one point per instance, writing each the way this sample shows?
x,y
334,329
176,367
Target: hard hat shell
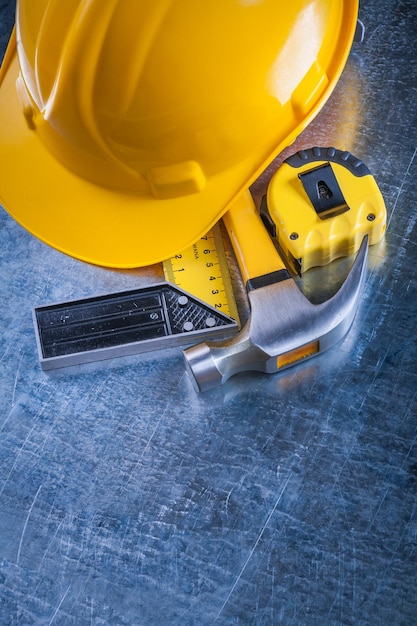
x,y
129,127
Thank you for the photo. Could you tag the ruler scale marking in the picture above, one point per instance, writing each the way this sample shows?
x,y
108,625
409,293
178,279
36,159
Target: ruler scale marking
x,y
203,271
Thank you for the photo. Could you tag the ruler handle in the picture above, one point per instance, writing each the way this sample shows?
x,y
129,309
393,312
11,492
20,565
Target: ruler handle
x,y
254,249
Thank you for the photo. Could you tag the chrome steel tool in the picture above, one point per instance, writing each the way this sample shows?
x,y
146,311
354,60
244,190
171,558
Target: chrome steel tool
x,y
284,326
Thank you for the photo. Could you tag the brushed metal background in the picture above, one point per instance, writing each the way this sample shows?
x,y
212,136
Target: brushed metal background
x,y
127,499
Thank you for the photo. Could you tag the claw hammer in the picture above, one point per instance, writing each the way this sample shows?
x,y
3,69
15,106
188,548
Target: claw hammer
x,y
284,327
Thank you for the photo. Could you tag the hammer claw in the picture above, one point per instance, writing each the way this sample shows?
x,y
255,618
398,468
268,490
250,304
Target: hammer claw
x,y
284,327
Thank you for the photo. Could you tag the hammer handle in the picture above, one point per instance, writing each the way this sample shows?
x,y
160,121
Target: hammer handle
x,y
254,249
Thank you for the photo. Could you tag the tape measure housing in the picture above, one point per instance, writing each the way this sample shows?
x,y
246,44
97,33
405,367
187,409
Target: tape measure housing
x,y
320,204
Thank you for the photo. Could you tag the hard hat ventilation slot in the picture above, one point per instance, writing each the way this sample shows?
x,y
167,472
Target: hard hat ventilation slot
x,y
179,179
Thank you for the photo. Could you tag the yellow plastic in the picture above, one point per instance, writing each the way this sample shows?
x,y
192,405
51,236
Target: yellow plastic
x,y
254,248
202,270
308,241
298,354
128,127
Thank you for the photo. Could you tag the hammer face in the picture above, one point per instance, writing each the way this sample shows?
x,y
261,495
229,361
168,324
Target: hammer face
x,y
284,328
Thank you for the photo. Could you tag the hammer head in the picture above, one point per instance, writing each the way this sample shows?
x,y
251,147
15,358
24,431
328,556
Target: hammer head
x,y
284,328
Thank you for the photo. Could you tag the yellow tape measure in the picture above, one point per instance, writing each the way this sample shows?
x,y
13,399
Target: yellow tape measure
x,y
202,270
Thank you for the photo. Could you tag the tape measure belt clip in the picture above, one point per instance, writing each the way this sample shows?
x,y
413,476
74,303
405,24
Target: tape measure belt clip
x,y
323,191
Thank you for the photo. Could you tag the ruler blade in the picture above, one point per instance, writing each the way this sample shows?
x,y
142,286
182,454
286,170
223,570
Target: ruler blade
x,y
130,322
202,270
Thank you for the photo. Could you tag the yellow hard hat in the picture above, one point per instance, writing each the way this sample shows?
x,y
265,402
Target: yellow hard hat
x,y
128,127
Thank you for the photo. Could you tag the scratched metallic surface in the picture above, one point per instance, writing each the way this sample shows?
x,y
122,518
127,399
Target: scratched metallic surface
x,y
128,499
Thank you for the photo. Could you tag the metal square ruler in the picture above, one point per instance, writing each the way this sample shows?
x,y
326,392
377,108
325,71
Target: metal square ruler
x,y
198,301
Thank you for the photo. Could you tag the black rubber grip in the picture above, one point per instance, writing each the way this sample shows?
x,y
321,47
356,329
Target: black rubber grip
x,y
267,279
333,155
